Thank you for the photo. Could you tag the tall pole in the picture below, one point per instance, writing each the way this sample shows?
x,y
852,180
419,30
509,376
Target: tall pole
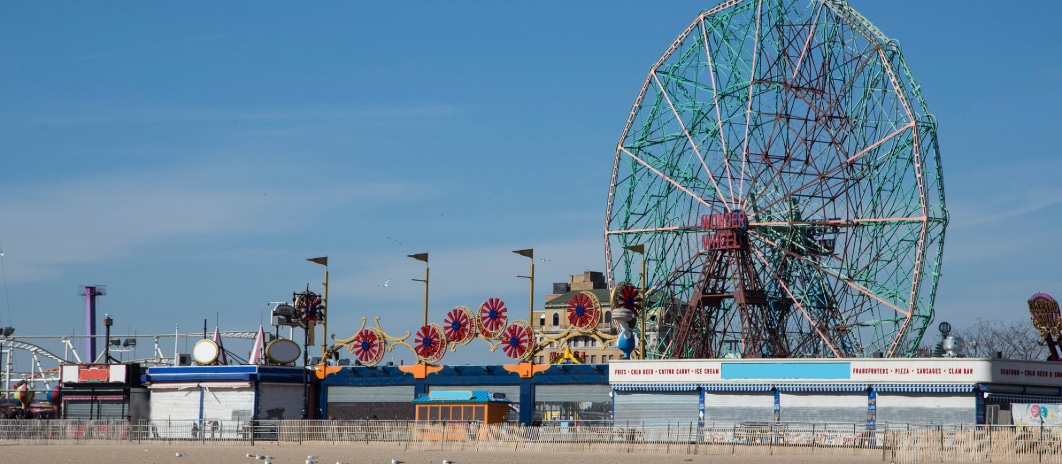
x,y
423,257
323,260
530,253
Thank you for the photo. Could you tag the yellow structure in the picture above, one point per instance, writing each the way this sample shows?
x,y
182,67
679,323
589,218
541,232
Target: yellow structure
x,y
462,406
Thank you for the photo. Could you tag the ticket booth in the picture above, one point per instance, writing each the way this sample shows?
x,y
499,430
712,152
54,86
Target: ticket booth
x,y
462,406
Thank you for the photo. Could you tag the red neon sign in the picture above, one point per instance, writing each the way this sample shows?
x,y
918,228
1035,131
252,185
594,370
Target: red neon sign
x,y
728,230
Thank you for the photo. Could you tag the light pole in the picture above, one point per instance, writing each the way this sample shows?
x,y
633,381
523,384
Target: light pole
x,y
324,309
6,332
640,249
530,254
107,323
423,257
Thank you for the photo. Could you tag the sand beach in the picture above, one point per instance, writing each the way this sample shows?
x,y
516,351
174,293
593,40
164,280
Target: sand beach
x,y
352,453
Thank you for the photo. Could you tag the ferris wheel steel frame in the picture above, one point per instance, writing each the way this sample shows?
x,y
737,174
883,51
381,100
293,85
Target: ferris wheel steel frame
x,y
804,117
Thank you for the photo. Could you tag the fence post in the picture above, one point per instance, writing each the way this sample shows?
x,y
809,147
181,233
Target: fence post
x,y
733,441
814,439
941,429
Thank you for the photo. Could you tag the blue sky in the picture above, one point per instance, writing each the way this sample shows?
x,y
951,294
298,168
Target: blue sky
x,y
191,156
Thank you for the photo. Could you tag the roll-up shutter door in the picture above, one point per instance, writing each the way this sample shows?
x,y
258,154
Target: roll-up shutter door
x,y
79,410
925,408
279,401
729,408
112,409
173,409
823,408
582,402
512,392
381,403
344,394
226,404
174,405
655,408
572,393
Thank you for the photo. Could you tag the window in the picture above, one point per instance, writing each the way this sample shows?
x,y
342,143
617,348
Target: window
x,y
608,317
444,413
479,412
433,413
593,359
542,320
556,319
467,413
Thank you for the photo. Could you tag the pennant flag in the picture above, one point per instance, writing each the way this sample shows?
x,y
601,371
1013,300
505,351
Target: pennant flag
x,y
530,253
322,260
258,352
420,257
222,360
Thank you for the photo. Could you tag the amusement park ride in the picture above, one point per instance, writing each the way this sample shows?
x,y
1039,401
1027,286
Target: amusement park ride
x,y
777,190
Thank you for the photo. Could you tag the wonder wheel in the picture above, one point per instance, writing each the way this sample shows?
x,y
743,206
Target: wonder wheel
x,y
781,170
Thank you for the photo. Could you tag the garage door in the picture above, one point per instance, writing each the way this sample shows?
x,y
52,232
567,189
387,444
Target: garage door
x,y
926,408
637,406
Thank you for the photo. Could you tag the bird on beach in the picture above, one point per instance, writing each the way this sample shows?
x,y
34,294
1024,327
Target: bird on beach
x,y
395,461
180,454
312,456
447,461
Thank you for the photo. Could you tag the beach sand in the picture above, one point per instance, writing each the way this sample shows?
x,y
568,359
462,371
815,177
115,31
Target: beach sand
x,y
355,453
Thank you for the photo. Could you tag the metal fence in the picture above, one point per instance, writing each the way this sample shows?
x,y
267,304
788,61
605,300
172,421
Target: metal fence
x,y
906,444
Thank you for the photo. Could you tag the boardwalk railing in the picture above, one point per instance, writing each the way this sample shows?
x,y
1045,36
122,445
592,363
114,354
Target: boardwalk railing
x,y
906,444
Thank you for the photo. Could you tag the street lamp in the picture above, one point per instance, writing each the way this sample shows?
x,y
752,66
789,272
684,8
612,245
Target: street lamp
x,y
640,249
423,257
530,254
324,309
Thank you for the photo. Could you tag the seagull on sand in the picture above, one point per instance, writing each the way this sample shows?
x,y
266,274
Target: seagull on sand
x,y
447,461
395,461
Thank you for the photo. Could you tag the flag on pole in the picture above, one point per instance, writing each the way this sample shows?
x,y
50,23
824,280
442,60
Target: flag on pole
x,y
222,360
323,260
258,352
419,257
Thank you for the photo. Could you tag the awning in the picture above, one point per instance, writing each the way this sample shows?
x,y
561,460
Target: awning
x,y
195,385
924,388
822,387
738,387
665,387
1005,398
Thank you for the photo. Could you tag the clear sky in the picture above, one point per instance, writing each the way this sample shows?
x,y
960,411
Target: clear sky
x,y
192,155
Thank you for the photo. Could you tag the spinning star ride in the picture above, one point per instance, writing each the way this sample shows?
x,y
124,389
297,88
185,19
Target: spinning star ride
x,y
781,170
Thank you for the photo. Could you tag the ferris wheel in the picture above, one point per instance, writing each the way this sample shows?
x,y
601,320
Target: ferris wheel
x,y
781,170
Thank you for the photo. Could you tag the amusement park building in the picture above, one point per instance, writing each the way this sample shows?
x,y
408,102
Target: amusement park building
x,y
556,392
227,393
875,392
